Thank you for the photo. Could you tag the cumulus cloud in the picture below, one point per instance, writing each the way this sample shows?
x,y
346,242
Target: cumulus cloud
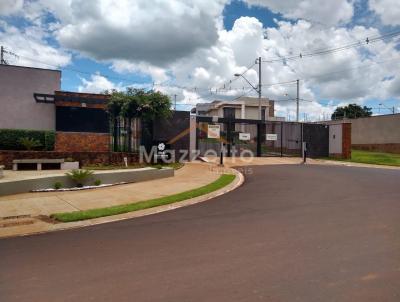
x,y
32,47
97,84
157,32
326,12
183,45
387,10
354,75
9,7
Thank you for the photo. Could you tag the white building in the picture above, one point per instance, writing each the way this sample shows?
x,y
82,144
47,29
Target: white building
x,y
241,108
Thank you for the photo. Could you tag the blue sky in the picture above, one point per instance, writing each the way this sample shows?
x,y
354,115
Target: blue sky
x,y
113,44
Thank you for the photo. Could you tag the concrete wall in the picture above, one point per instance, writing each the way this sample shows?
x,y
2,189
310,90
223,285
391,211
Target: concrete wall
x,y
174,130
19,109
384,129
106,177
375,133
335,139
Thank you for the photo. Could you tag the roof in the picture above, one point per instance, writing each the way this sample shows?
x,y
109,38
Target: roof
x,y
248,101
28,67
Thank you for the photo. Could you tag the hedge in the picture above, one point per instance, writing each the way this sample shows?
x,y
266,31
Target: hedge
x,y
10,139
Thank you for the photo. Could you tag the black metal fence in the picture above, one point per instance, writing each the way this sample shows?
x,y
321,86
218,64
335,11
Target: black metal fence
x,y
262,138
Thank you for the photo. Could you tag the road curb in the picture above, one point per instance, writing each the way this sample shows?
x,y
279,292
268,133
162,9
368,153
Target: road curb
x,y
237,182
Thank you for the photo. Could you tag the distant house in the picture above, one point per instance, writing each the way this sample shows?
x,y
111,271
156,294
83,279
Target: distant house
x,y
241,108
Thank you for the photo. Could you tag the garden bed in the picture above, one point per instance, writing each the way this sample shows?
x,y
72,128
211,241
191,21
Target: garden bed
x,y
38,182
78,188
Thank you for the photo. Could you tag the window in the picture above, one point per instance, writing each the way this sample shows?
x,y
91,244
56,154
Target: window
x,y
229,113
78,119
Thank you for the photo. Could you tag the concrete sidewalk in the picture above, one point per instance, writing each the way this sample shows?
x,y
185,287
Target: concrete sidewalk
x,y
18,213
188,177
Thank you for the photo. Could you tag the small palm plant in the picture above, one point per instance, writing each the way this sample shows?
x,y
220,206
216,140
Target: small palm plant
x,y
29,143
79,176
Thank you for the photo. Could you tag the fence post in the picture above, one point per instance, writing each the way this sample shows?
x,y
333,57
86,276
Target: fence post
x,y
281,139
259,139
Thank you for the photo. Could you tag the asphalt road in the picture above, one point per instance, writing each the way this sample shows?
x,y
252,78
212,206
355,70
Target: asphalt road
x,y
290,233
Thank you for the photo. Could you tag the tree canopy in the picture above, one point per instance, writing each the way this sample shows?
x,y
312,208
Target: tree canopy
x,y
351,111
137,103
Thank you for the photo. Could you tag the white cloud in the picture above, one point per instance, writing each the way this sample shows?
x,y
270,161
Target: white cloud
x,y
9,7
32,48
158,74
183,42
325,12
97,84
157,32
353,75
387,10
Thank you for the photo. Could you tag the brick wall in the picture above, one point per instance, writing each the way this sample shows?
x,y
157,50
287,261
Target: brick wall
x,y
346,140
84,158
82,142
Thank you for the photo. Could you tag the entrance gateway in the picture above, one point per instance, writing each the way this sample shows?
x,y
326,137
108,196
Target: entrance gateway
x,y
262,138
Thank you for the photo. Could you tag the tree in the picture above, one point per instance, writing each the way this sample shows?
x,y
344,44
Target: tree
x,y
351,111
136,103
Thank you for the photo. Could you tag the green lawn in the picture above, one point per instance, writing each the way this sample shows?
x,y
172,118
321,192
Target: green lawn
x,y
376,158
221,182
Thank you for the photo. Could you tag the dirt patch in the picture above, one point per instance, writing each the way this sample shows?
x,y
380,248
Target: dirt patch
x,y
16,223
47,219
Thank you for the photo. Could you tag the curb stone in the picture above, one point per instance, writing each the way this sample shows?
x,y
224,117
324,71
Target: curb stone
x,y
237,182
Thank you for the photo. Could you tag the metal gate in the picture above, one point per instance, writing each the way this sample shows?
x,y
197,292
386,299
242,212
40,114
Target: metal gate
x,y
316,137
281,139
261,138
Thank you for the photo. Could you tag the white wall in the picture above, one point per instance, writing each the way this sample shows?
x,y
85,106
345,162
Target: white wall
x,y
335,139
19,109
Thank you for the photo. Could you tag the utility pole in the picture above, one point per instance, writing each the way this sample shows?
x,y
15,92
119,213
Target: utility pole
x,y
175,102
297,100
3,62
3,51
259,89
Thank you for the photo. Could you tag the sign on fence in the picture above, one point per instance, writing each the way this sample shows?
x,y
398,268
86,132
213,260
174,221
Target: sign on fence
x,y
272,137
214,131
244,136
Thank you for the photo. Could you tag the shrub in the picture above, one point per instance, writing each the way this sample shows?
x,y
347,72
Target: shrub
x,y
97,182
29,143
79,176
49,140
57,185
10,139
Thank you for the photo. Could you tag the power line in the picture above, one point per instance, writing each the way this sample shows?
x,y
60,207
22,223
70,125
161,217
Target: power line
x,y
326,51
3,52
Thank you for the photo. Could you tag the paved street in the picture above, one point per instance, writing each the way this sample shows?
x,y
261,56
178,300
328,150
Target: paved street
x,y
290,233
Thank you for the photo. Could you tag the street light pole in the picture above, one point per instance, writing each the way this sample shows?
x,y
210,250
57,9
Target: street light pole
x,y
259,89
297,101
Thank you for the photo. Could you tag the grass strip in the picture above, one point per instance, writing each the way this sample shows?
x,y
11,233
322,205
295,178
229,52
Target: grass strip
x,y
221,182
374,158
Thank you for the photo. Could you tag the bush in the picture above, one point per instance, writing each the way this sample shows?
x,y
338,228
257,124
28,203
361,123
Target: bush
x,y
57,185
97,182
79,176
29,143
10,139
49,140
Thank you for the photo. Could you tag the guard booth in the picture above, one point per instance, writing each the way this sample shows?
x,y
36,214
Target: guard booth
x,y
260,138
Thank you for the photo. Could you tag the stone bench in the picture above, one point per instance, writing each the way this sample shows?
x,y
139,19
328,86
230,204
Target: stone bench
x,y
38,162
1,171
